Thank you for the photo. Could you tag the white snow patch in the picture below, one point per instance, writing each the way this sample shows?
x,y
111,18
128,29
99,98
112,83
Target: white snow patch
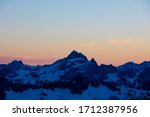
x,y
99,93
112,77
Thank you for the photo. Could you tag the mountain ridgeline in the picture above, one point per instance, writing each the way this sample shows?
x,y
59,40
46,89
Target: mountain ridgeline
x,y
75,77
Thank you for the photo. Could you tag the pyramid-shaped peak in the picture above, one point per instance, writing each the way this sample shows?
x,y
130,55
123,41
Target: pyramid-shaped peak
x,y
93,61
75,54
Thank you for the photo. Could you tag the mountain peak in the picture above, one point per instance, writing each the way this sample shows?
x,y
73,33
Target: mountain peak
x,y
75,54
129,65
145,62
93,61
16,64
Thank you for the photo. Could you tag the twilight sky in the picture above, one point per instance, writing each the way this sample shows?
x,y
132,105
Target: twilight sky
x,y
42,31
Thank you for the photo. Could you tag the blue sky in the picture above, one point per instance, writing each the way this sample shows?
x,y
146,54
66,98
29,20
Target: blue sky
x,y
103,29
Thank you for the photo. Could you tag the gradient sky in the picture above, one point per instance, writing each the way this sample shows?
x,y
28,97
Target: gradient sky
x,y
111,31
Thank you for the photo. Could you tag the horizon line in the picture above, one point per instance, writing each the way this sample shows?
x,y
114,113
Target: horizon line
x,y
48,61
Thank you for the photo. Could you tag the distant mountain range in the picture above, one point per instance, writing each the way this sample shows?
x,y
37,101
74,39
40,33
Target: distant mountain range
x,y
75,77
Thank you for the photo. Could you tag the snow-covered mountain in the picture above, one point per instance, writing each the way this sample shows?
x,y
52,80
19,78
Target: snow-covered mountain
x,y
134,66
75,77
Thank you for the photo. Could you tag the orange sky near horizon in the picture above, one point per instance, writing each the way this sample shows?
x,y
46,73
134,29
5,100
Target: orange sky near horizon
x,y
41,32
